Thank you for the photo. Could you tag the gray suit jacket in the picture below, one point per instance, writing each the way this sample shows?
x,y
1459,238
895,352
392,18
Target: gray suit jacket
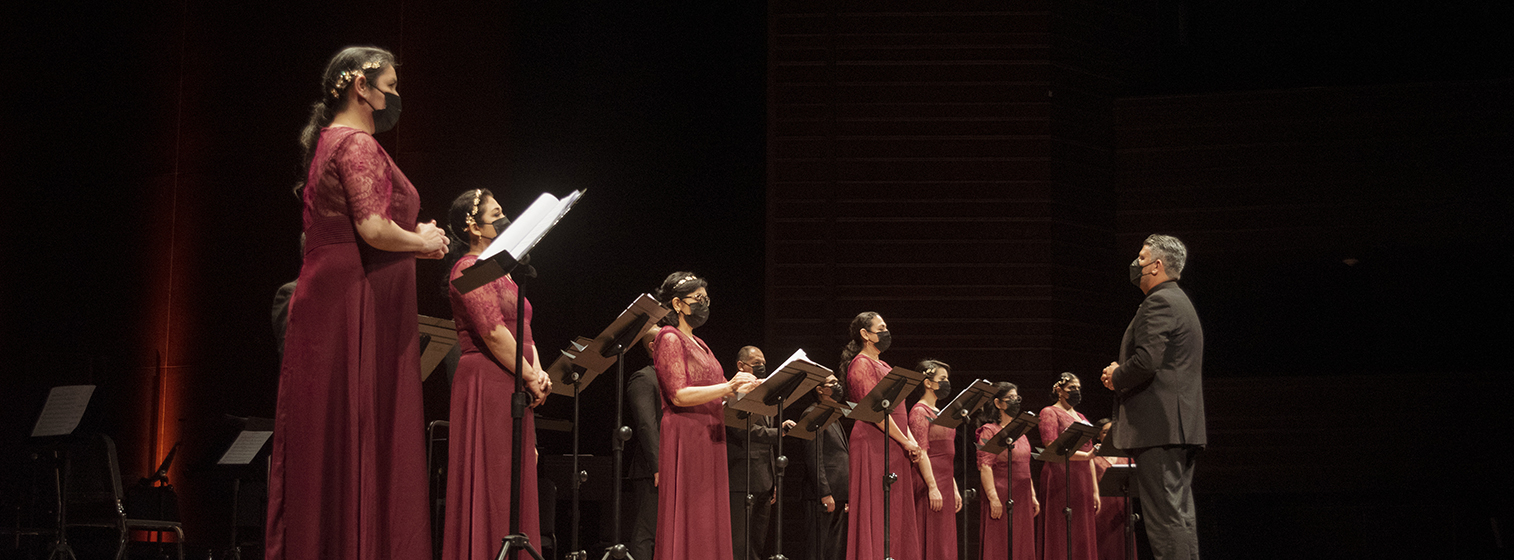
x,y
1159,385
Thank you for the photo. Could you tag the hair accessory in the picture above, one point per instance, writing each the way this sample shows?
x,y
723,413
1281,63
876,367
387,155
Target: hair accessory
x,y
347,77
1066,376
685,279
477,194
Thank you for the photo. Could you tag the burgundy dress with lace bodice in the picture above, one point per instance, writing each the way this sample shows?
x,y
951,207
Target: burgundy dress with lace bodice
x,y
693,488
480,426
995,534
938,535
865,528
347,477
1054,421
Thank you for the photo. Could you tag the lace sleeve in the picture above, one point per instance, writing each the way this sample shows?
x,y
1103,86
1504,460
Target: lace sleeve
x,y
859,379
986,433
671,362
364,171
487,307
1050,426
919,425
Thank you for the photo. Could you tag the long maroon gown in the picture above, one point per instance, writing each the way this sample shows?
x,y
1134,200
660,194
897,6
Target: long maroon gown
x,y
938,529
995,538
347,477
693,490
1110,522
479,447
1054,421
865,526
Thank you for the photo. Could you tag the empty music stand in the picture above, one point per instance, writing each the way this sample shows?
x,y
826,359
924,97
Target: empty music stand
x,y
1119,480
1004,441
576,368
875,407
808,427
61,413
953,416
1061,451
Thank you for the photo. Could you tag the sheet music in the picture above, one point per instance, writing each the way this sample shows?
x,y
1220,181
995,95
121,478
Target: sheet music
x,y
65,407
524,232
245,448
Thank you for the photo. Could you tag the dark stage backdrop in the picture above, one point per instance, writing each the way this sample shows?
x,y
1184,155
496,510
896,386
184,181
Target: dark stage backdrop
x,y
150,149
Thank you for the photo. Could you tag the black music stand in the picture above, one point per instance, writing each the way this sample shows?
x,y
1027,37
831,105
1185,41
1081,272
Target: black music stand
x,y
237,454
580,365
797,376
875,407
509,252
1119,480
953,416
808,427
1004,441
61,413
1061,451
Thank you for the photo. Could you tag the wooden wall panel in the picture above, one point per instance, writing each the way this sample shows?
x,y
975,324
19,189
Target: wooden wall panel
x,y
949,167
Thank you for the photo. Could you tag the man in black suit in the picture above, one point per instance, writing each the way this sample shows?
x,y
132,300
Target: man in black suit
x,y
644,399
752,463
831,479
1159,397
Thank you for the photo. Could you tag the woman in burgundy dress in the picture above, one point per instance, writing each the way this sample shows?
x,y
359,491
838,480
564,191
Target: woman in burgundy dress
x,y
693,488
1084,488
347,476
938,524
1110,523
480,431
995,471
864,370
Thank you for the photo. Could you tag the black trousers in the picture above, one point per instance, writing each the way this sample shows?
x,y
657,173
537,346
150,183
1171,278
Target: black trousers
x,y
833,533
1165,478
762,512
644,529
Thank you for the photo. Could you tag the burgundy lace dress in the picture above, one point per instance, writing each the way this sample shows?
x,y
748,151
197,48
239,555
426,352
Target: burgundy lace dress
x,y
1054,421
995,536
348,471
938,529
865,527
693,490
480,426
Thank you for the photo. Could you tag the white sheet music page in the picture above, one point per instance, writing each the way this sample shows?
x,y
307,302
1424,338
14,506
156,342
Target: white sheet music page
x,y
245,448
527,230
65,407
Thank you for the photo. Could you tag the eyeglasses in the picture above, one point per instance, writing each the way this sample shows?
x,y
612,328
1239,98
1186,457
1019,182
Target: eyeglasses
x,y
701,297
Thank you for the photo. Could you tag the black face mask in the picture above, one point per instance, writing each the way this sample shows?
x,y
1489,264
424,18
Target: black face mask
x,y
699,312
1135,271
944,389
884,339
760,370
838,392
499,227
1012,409
385,119
1074,397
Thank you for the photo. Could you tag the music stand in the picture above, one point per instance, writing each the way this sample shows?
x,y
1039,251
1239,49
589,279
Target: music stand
x,y
580,365
1061,451
808,427
237,454
1004,441
875,407
953,416
438,337
1119,480
797,376
509,252
60,415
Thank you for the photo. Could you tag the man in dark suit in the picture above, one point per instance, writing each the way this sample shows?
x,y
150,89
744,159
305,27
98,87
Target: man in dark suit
x,y
1159,396
751,464
831,479
644,399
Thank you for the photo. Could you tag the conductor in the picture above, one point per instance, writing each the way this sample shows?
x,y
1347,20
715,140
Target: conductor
x,y
1158,385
